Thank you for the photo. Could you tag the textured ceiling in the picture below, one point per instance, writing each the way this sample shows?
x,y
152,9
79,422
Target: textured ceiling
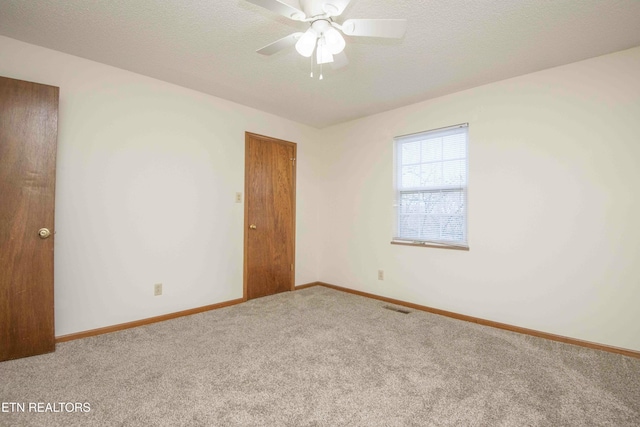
x,y
209,45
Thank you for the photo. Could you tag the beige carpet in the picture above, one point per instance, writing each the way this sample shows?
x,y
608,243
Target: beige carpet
x,y
320,357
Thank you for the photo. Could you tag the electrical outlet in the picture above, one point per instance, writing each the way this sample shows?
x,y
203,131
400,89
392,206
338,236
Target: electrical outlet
x,y
157,289
238,197
380,274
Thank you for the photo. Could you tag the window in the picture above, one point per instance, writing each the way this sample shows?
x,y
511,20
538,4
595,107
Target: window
x,y
431,187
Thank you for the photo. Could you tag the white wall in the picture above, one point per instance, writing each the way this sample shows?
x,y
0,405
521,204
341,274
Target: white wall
x,y
553,203
146,179
147,173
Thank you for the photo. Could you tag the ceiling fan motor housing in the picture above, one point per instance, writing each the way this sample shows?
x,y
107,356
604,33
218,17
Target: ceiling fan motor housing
x,y
320,25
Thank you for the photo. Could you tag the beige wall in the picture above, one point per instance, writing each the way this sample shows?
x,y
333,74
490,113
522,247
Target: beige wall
x,y
553,203
146,182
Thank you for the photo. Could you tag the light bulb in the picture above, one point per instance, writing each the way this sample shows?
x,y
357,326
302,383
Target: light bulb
x,y
307,43
334,41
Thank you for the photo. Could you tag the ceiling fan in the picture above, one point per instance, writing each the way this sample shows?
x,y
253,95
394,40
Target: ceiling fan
x,y
324,34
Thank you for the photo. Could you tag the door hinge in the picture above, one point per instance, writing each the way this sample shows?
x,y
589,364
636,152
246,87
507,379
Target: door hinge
x,y
291,267
293,159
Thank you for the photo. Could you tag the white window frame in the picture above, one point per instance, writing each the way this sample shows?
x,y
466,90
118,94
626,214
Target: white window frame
x,y
463,187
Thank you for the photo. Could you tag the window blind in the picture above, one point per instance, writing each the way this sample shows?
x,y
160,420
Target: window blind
x,y
431,186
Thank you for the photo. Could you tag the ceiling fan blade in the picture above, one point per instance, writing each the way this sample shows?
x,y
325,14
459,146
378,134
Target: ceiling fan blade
x,y
280,8
278,45
335,7
340,60
389,28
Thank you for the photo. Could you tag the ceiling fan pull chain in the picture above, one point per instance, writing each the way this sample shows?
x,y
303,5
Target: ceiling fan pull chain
x,y
311,73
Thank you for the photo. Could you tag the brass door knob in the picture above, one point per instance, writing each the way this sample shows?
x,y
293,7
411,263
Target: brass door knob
x,y
253,226
44,233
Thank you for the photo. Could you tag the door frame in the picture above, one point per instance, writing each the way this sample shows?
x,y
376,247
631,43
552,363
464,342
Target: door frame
x,y
247,136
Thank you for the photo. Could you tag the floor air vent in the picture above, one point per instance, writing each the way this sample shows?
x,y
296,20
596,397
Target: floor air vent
x,y
398,309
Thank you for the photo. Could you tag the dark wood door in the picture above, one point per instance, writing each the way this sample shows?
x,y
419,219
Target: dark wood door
x,y
28,138
269,216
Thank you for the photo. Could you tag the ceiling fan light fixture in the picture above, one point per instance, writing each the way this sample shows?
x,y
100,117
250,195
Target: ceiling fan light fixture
x,y
307,43
323,55
334,41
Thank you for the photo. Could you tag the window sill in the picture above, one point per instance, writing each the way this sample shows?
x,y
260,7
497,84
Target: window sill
x,y
429,245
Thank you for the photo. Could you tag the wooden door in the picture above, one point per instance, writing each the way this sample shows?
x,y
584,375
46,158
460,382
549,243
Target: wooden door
x,y
28,138
270,171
